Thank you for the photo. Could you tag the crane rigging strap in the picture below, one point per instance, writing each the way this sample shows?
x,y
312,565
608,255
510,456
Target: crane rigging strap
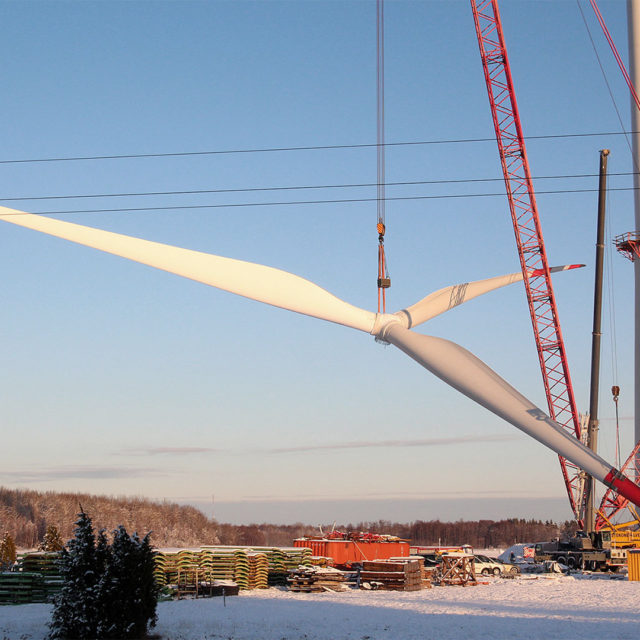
x,y
384,281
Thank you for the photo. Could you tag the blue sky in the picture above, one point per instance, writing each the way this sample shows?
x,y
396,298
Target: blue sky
x,y
120,379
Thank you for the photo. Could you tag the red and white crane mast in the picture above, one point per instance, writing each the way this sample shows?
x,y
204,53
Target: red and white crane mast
x,y
526,223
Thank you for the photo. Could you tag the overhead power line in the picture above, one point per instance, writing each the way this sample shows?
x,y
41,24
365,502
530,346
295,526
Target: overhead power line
x,y
295,188
305,202
302,148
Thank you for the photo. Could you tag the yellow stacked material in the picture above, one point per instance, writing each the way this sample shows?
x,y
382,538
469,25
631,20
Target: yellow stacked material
x,y
298,557
185,556
277,568
321,561
241,574
633,559
205,564
167,563
159,568
221,564
280,560
258,571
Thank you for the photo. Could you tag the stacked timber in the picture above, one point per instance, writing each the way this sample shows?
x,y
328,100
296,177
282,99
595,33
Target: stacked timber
x,y
316,579
392,576
425,573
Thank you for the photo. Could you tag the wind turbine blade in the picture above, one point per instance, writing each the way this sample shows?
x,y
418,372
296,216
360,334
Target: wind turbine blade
x,y
468,374
444,299
254,281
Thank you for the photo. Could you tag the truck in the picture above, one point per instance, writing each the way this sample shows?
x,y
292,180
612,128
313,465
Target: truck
x,y
594,552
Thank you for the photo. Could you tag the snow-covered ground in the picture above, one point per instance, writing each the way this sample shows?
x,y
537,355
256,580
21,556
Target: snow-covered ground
x,y
526,608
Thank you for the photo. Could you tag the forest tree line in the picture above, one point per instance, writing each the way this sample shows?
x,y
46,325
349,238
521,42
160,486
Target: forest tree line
x,y
26,514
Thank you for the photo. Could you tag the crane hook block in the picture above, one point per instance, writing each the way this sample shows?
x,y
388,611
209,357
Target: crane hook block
x,y
381,228
384,283
615,391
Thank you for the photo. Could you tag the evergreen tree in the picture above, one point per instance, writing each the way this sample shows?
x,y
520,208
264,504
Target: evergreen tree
x,y
128,588
75,607
52,540
7,552
108,591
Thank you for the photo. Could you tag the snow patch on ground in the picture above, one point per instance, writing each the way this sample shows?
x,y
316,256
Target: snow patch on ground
x,y
525,608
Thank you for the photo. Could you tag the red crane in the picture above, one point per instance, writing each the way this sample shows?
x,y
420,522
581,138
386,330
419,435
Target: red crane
x,y
526,224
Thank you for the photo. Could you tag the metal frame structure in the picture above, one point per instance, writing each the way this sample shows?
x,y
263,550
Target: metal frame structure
x,y
531,249
612,503
628,244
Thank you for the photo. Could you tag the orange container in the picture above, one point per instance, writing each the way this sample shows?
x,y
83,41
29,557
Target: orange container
x,y
346,552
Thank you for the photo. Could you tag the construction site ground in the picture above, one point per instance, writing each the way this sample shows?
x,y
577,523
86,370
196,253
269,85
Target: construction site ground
x,y
529,607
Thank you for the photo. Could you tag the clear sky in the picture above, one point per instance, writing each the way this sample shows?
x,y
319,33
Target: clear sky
x,y
120,379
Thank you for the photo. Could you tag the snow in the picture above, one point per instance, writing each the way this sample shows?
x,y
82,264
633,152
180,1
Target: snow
x,y
525,608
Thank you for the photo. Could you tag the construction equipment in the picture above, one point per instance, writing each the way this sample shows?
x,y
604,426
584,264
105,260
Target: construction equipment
x,y
595,552
529,241
533,260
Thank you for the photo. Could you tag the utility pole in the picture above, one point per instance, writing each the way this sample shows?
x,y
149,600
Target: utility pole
x,y
592,432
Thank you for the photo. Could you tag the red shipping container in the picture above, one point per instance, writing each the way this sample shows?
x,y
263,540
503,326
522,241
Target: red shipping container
x,y
346,552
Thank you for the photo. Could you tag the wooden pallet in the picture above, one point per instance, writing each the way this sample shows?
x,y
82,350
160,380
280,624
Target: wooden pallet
x,y
458,570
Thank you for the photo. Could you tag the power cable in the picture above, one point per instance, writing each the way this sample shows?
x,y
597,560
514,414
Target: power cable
x,y
130,156
300,187
305,202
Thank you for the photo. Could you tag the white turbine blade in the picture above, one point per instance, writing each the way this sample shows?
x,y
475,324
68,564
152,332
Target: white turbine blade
x,y
468,374
444,299
254,281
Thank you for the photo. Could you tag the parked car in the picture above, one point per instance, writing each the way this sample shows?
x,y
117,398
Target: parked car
x,y
487,566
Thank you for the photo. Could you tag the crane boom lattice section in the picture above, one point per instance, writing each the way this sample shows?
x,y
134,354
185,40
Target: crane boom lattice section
x,y
526,223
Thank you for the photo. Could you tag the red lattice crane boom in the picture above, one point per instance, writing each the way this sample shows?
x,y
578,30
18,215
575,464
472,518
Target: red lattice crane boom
x,y
526,223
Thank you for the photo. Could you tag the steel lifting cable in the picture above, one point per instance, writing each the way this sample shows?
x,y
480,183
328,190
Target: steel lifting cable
x,y
384,282
615,389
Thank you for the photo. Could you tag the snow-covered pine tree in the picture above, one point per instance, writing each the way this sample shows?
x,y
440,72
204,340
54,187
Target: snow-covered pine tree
x,y
109,591
52,540
147,592
7,552
75,607
128,590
